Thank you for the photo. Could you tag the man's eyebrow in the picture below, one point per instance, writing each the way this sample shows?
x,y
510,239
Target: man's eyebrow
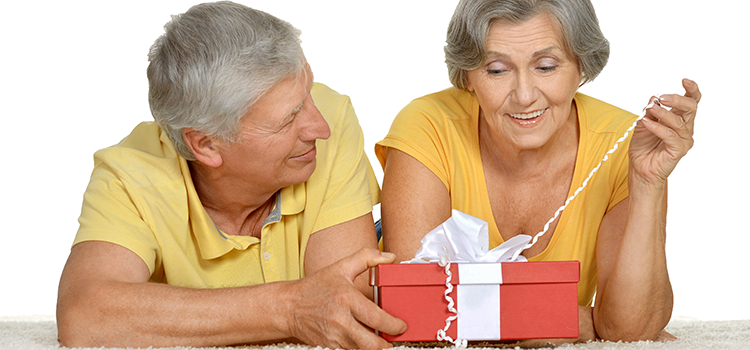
x,y
296,110
312,83
300,106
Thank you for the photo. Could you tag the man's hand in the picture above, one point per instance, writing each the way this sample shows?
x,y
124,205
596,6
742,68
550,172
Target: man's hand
x,y
329,311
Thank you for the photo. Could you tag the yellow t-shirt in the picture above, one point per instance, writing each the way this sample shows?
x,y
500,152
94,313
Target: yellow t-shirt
x,y
441,131
141,196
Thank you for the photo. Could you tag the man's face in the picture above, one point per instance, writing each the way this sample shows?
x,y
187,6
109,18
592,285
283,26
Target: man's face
x,y
276,145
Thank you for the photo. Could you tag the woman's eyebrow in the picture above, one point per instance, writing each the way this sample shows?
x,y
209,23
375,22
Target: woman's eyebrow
x,y
498,54
545,51
536,54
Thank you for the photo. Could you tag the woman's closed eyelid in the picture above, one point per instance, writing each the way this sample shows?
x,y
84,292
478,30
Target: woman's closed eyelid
x,y
496,67
547,68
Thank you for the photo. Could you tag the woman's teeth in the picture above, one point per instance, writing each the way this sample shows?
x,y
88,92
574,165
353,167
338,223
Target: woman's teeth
x,y
527,115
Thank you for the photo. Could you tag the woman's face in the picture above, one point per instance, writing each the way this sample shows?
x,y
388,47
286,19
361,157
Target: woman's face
x,y
526,85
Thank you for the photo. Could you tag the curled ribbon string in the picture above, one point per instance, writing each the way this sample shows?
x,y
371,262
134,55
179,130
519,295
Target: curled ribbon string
x,y
441,333
653,102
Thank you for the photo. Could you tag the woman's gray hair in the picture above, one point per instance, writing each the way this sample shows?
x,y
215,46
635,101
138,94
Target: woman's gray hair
x,y
213,63
467,33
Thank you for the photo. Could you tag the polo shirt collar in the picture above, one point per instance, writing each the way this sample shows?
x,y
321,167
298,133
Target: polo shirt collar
x,y
293,199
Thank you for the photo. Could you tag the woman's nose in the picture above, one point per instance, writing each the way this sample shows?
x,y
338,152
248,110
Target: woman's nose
x,y
525,92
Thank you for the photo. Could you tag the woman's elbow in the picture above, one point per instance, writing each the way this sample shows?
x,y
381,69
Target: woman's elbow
x,y
628,335
630,331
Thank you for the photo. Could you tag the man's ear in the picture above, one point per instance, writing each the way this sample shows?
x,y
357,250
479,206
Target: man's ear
x,y
203,147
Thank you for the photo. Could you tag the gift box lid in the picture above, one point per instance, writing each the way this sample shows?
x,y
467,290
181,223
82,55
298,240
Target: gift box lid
x,y
533,272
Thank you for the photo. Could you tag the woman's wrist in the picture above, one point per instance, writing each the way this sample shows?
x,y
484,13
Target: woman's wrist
x,y
642,189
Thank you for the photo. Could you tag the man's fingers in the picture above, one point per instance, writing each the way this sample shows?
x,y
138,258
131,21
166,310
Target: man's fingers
x,y
364,259
376,318
366,339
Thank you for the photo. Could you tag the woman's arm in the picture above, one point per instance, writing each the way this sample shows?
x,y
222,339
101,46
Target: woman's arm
x,y
414,201
634,296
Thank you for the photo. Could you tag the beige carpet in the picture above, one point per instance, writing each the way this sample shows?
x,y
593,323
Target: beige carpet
x,y
40,333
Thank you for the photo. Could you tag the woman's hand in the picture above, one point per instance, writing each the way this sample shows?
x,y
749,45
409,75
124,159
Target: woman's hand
x,y
664,136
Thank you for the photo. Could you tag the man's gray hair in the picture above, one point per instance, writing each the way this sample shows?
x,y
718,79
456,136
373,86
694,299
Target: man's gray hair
x,y
213,63
467,33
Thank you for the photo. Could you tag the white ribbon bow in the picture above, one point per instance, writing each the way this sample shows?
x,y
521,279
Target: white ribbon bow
x,y
464,238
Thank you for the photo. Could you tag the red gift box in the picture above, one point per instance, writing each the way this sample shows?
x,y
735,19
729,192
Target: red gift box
x,y
495,301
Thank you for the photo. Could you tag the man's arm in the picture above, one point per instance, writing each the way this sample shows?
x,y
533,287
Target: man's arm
x,y
331,244
105,299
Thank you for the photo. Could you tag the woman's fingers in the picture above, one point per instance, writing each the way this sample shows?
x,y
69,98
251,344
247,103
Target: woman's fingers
x,y
685,106
692,90
673,123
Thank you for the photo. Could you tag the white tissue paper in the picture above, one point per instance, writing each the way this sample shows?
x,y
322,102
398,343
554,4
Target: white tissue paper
x,y
465,239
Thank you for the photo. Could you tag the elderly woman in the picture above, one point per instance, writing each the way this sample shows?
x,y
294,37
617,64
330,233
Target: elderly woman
x,y
241,215
511,141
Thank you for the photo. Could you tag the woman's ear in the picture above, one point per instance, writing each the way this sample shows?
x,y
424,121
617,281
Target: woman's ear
x,y
469,86
203,147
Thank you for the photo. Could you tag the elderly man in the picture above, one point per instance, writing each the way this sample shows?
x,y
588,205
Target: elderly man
x,y
242,215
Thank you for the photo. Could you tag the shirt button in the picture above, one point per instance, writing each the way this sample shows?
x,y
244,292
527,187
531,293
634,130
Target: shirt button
x,y
267,256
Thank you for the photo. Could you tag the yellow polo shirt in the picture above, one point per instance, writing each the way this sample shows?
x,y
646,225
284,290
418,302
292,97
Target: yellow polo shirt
x,y
441,131
141,196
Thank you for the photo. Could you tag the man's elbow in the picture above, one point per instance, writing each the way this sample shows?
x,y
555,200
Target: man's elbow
x,y
69,337
71,331
77,325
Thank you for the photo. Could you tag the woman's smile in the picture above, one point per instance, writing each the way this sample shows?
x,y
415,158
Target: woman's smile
x,y
528,120
527,116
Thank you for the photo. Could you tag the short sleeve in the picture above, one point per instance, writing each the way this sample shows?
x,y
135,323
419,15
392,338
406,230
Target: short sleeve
x,y
418,131
619,177
109,214
350,187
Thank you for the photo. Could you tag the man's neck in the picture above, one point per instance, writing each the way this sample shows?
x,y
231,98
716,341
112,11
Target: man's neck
x,y
236,207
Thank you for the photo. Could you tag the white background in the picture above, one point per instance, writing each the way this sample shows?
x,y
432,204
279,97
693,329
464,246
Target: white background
x,y
73,80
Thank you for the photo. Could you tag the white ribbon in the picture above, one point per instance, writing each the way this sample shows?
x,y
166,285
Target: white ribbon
x,y
478,311
464,238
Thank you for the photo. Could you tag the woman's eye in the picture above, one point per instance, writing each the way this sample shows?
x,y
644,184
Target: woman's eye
x,y
496,68
547,69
